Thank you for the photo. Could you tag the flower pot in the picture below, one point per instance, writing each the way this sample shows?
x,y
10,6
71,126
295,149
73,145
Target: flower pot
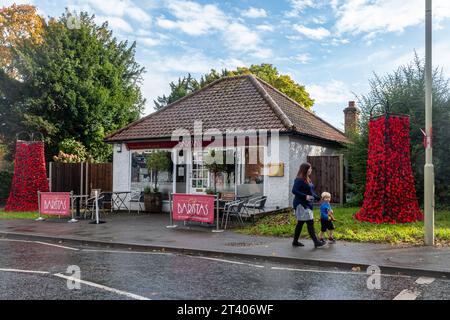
x,y
153,202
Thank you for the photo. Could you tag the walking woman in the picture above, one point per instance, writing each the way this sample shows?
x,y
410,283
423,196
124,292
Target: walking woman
x,y
303,205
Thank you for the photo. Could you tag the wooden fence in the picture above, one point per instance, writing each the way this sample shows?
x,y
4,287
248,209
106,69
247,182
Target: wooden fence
x,y
80,178
328,175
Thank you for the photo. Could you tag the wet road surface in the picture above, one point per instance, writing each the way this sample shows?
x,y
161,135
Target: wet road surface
x,y
38,270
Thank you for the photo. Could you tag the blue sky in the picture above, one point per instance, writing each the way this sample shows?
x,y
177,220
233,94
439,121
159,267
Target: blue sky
x,y
332,47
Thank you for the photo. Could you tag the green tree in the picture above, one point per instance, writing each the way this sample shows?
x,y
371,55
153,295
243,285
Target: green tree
x,y
157,161
266,72
80,83
404,90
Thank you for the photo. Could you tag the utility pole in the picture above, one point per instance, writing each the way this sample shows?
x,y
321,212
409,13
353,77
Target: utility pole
x,y
429,168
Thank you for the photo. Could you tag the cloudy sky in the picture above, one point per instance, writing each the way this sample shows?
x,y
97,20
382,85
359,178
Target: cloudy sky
x,y
332,47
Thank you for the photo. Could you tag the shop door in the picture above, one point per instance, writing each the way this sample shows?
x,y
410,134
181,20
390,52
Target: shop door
x,y
199,177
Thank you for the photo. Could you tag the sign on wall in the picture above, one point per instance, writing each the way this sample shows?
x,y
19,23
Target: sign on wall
x,y
55,203
190,207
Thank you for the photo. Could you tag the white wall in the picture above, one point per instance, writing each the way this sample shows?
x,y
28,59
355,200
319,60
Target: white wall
x,y
277,188
122,169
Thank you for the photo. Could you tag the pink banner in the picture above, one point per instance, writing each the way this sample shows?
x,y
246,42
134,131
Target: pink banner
x,y
192,207
55,203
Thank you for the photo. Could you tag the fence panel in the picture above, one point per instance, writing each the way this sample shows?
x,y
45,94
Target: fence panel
x,y
327,175
78,177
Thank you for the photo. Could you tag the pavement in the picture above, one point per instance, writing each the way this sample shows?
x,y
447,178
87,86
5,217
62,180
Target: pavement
x,y
149,232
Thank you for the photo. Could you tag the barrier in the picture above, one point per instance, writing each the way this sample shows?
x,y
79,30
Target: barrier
x,y
55,204
193,207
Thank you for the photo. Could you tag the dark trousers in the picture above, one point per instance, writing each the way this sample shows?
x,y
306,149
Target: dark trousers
x,y
311,231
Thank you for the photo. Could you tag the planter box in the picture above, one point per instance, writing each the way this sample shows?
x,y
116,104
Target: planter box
x,y
153,202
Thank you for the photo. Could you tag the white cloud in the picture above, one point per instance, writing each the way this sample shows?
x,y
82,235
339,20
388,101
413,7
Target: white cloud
x,y
120,8
316,34
240,37
335,92
193,18
298,6
380,16
148,42
115,23
254,13
303,58
265,27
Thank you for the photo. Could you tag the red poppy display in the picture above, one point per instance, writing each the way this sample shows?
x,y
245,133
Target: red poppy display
x,y
390,195
29,177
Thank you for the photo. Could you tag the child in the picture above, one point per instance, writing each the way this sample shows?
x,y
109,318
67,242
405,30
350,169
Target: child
x,y
326,217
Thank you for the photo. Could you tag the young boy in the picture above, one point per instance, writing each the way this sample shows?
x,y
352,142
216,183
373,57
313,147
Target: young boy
x,y
326,217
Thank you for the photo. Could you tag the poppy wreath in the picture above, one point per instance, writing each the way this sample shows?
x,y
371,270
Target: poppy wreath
x,y
30,176
390,195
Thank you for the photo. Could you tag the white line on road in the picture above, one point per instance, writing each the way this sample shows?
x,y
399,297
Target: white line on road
x,y
40,242
407,295
339,272
227,261
121,251
23,271
99,286
425,280
55,245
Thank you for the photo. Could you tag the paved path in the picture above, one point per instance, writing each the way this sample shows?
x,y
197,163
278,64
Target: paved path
x,y
40,270
149,231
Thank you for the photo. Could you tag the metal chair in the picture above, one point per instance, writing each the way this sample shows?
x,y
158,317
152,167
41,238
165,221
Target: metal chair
x,y
90,205
233,209
256,203
137,197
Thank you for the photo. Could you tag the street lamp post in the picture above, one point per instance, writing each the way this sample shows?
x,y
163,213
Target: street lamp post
x,y
429,168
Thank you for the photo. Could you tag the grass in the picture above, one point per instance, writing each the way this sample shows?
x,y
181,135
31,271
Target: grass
x,y
18,215
349,229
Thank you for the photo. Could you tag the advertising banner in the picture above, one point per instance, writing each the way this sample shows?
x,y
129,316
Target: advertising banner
x,y
193,207
55,203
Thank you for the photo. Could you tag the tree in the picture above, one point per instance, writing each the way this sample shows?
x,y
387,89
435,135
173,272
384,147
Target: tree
x,y
214,164
17,23
157,161
266,72
79,83
404,90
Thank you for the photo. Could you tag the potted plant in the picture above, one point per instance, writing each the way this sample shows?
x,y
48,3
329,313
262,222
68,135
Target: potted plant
x,y
157,161
215,165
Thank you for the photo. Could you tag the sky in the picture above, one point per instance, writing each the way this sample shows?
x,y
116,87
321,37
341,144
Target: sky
x,y
332,47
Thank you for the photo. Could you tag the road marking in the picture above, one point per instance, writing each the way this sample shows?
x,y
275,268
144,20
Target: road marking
x,y
99,286
425,280
24,271
227,261
55,245
40,242
121,251
339,272
407,295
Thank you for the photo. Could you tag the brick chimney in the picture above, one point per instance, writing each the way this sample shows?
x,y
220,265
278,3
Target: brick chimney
x,y
351,118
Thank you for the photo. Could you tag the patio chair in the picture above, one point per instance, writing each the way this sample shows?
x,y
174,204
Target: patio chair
x,y
90,205
233,209
255,204
107,200
137,197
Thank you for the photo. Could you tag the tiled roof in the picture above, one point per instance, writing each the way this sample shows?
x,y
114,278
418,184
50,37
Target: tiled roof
x,y
231,103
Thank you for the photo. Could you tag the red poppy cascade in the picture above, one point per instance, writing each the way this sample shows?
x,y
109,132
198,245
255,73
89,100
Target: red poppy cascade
x,y
390,195
29,177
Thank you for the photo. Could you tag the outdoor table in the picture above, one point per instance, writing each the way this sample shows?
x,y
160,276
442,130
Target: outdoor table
x,y
119,199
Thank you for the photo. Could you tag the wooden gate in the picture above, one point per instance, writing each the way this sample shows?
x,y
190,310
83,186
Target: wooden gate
x,y
80,178
328,175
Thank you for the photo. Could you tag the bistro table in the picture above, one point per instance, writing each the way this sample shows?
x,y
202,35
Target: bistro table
x,y
119,198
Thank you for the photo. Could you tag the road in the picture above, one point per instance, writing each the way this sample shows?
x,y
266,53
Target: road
x,y
39,270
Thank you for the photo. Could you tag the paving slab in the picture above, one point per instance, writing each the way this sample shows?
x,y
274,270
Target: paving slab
x,y
150,232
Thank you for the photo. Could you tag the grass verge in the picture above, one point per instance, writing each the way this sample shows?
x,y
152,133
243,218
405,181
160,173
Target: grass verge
x,y
349,229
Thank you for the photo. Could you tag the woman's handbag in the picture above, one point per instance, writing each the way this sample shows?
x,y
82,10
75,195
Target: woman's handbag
x,y
303,214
